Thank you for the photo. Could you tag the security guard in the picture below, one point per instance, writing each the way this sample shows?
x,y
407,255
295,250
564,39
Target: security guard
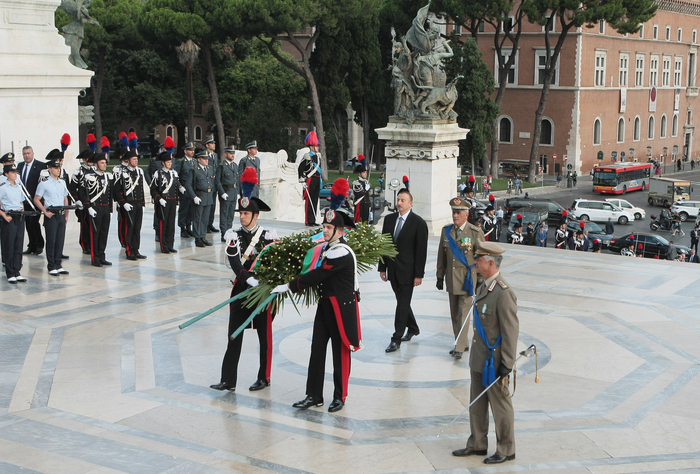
x,y
166,187
493,354
185,168
310,177
473,216
251,160
122,218
517,236
360,192
561,236
210,145
97,192
11,222
227,185
130,190
54,194
201,191
7,159
244,245
455,263
154,165
492,231
74,186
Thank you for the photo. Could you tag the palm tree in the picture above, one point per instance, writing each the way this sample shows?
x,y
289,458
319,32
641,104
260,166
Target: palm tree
x,y
187,54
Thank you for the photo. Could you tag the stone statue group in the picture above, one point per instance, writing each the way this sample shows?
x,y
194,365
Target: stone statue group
x,y
420,85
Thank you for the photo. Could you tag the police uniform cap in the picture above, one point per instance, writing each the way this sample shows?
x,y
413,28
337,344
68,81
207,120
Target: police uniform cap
x,y
57,154
202,154
518,225
7,157
338,218
253,144
489,208
252,204
7,168
230,149
100,156
209,140
121,153
459,204
129,154
54,163
81,156
360,169
189,146
488,249
164,156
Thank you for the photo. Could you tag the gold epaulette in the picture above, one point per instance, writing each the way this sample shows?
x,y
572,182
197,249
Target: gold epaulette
x,y
503,284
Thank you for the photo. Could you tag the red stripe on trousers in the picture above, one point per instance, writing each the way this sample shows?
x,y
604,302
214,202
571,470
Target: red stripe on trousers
x,y
268,369
307,202
345,364
92,243
160,233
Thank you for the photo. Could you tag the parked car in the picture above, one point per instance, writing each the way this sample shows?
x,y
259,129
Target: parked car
x,y
529,215
625,205
653,245
594,231
553,208
599,211
686,209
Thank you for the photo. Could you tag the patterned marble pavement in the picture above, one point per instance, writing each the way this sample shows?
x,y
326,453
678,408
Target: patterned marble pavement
x,y
97,378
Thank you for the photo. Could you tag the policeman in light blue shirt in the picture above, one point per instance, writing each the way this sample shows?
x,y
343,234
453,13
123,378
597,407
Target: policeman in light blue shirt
x,y
53,192
11,225
6,159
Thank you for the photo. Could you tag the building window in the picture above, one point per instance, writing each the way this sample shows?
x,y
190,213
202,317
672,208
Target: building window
x,y
621,130
654,70
169,131
668,33
513,72
546,132
541,64
481,27
596,132
550,26
666,72
505,130
663,126
680,34
601,27
641,31
695,36
600,68
508,24
674,126
639,71
690,118
656,31
691,70
198,133
458,29
677,69
624,62
637,126
650,132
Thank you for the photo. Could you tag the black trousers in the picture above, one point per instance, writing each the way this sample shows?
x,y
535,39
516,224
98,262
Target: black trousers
x,y
35,239
99,230
313,188
694,245
166,223
11,242
262,323
83,218
133,222
55,228
121,225
156,216
185,215
325,328
403,317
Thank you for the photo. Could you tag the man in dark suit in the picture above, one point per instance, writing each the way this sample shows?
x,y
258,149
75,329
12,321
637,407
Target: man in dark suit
x,y
28,172
410,235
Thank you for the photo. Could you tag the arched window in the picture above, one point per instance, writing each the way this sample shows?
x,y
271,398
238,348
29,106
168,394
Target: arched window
x,y
546,132
596,132
674,126
621,130
198,133
169,131
650,133
505,130
637,128
663,126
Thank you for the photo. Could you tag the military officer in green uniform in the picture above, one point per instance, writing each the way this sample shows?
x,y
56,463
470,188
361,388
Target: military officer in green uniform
x,y
251,160
493,354
210,145
184,169
201,190
227,186
455,266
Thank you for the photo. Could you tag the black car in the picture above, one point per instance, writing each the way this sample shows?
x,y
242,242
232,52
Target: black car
x,y
553,208
594,232
534,216
652,244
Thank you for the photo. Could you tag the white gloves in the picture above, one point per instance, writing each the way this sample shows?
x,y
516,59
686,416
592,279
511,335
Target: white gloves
x,y
162,202
230,235
304,186
302,180
197,201
128,207
281,288
271,235
92,212
78,203
224,196
252,282
182,189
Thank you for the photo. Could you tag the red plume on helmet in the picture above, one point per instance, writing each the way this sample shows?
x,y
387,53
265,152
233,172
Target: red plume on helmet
x,y
133,141
249,179
123,139
92,142
582,225
65,142
311,139
169,144
339,191
520,218
472,179
564,213
104,145
405,181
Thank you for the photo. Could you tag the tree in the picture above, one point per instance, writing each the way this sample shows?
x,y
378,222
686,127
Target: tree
x,y
476,109
187,54
625,16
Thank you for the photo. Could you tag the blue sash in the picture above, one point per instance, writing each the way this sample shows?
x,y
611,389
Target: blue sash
x,y
461,258
488,376
317,170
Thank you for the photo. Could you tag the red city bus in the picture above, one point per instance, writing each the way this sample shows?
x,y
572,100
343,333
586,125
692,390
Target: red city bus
x,y
618,178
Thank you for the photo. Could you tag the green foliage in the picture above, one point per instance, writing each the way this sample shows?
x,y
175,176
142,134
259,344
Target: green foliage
x,y
476,109
60,19
118,25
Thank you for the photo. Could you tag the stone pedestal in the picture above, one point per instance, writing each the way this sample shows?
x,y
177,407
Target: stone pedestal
x,y
39,88
426,152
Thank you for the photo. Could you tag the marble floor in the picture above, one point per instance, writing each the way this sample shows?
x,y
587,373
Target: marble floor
x,y
97,378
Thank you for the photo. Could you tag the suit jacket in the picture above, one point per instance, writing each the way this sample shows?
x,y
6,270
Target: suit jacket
x,y
412,245
497,306
33,178
448,267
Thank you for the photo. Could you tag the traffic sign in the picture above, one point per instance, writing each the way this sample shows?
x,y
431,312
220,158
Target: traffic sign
x,y
554,156
566,157
600,155
569,166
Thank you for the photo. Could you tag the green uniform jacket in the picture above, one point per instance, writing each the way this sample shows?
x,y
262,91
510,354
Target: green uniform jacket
x,y
202,185
448,267
184,170
227,179
499,317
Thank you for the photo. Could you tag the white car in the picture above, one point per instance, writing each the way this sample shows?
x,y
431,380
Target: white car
x,y
599,211
638,212
686,209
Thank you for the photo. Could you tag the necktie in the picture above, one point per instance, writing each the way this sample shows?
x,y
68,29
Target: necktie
x,y
26,172
399,226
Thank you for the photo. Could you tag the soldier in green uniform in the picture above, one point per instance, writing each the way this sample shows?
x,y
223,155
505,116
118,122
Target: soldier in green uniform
x,y
251,160
201,190
455,263
493,354
184,169
213,157
227,186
